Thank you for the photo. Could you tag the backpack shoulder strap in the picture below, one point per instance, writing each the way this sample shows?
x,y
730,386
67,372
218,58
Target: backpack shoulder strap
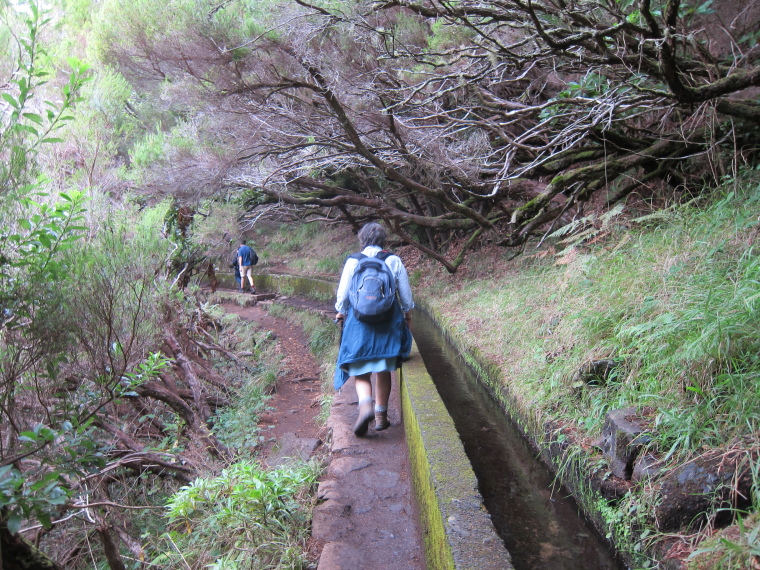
x,y
357,256
383,255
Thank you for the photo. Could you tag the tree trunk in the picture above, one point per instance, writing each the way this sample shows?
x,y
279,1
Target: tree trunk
x,y
20,554
110,548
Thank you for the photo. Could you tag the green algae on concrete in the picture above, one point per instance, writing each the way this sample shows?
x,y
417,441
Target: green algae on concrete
x,y
457,530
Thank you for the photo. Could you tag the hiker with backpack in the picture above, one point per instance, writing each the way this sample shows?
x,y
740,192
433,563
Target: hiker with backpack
x,y
247,258
235,266
374,301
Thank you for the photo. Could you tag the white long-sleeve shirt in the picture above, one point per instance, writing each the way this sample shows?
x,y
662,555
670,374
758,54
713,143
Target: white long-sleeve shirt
x,y
397,268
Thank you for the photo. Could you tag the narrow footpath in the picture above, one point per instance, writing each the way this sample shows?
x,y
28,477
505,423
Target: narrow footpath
x,y
366,517
369,517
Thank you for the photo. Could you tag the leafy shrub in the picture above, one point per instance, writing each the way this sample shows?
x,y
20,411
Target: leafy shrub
x,y
245,518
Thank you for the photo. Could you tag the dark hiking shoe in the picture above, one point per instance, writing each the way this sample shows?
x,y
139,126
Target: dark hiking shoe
x,y
252,291
381,421
366,415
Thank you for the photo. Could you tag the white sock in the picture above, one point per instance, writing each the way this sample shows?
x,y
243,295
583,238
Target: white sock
x,y
379,408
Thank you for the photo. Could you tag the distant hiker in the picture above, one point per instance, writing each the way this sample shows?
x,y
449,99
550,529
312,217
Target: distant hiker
x,y
247,258
236,267
376,340
211,275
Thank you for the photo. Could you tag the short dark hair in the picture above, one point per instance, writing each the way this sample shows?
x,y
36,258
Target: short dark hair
x,y
242,242
372,234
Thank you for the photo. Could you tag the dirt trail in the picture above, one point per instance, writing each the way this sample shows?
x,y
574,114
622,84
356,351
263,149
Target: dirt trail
x,y
367,516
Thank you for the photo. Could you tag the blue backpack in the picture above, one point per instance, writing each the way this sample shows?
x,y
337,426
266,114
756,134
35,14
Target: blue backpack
x,y
372,291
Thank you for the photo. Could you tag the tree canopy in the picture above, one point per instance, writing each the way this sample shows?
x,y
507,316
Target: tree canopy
x,y
454,122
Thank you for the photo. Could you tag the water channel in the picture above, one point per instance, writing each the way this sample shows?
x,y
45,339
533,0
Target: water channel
x,y
540,525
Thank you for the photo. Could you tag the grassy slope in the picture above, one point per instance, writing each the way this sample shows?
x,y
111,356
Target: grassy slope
x,y
675,298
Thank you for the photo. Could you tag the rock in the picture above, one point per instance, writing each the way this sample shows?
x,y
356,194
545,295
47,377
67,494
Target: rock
x,y
340,556
646,466
329,521
622,440
341,466
292,448
594,373
328,490
689,492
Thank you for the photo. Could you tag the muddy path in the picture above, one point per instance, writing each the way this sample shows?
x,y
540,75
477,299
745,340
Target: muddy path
x,y
295,401
366,515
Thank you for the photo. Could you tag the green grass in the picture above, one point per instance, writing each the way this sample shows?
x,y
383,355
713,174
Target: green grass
x,y
246,518
735,548
679,304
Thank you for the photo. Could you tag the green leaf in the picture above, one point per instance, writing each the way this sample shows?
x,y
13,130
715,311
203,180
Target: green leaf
x,y
14,522
58,499
33,117
52,140
8,97
44,518
28,436
23,87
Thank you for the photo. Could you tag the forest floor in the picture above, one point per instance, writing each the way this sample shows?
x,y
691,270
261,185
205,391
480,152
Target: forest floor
x,y
366,515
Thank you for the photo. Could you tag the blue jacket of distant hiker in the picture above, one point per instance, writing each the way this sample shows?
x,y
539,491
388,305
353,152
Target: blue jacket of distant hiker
x,y
245,254
362,341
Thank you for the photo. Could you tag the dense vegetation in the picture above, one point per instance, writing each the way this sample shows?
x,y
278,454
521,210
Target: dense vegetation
x,y
138,139
119,385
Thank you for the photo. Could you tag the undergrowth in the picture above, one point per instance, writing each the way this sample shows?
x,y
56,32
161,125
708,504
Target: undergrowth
x,y
737,547
672,300
306,248
236,424
678,306
246,518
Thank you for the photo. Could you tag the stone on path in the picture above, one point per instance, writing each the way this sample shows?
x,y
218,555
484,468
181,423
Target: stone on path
x,y
292,449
